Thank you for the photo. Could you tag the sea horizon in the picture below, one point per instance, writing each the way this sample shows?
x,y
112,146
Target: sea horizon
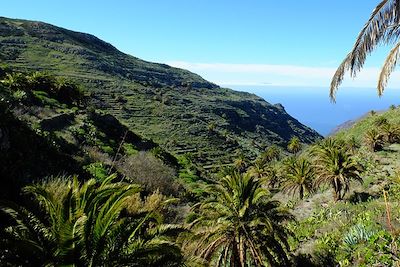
x,y
313,107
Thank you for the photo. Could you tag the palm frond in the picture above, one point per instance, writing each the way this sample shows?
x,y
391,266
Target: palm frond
x,y
388,68
375,31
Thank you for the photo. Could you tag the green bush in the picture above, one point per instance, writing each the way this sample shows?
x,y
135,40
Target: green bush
x,y
97,170
44,99
69,92
19,95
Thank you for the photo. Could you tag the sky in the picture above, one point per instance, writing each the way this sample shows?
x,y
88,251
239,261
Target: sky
x,y
229,42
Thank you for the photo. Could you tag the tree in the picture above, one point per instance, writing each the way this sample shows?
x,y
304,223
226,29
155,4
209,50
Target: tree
x,y
391,132
299,177
16,81
240,162
383,27
86,224
68,92
374,139
271,153
294,145
152,173
258,170
352,144
239,225
41,81
335,165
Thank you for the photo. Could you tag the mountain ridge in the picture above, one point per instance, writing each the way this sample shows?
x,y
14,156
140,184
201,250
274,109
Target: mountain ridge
x,y
176,108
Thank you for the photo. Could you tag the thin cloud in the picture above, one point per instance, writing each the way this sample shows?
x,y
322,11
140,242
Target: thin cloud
x,y
282,75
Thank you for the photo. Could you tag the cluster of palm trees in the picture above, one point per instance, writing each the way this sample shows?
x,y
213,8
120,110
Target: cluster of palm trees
x,y
110,223
87,224
329,162
383,132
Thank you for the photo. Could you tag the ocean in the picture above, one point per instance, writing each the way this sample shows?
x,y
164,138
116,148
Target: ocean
x,y
312,106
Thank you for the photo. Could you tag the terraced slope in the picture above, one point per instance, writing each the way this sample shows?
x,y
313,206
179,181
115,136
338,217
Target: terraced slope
x,y
174,107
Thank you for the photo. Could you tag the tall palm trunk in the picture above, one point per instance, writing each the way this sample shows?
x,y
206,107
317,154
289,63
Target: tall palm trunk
x,y
301,192
235,258
242,252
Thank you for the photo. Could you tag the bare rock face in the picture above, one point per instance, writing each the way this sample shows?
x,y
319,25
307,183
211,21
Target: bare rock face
x,y
4,140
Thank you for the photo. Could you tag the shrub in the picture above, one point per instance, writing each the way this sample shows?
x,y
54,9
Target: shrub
x,y
152,173
19,95
97,170
40,81
69,92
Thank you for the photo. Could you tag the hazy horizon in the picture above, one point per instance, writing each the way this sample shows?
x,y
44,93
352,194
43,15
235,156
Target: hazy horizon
x,y
312,105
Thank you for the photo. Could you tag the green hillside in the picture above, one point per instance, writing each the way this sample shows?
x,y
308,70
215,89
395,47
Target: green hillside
x,y
363,229
45,130
174,107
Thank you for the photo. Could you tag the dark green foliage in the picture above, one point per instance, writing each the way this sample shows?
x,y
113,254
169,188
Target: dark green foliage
x,y
89,224
299,178
239,225
26,156
335,166
68,92
44,88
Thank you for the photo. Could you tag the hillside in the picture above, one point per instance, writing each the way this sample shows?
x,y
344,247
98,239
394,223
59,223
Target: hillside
x,y
362,229
43,134
174,107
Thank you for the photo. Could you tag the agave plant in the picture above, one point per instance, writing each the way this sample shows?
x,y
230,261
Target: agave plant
x,y
239,225
357,234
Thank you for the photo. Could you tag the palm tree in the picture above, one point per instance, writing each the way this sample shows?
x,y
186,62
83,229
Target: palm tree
x,y
240,162
335,166
258,170
352,144
271,153
380,121
84,225
374,139
268,172
391,132
239,225
327,143
43,82
383,27
16,81
299,177
273,175
294,145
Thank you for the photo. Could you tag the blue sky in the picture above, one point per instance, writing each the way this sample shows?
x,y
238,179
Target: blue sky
x,y
233,42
